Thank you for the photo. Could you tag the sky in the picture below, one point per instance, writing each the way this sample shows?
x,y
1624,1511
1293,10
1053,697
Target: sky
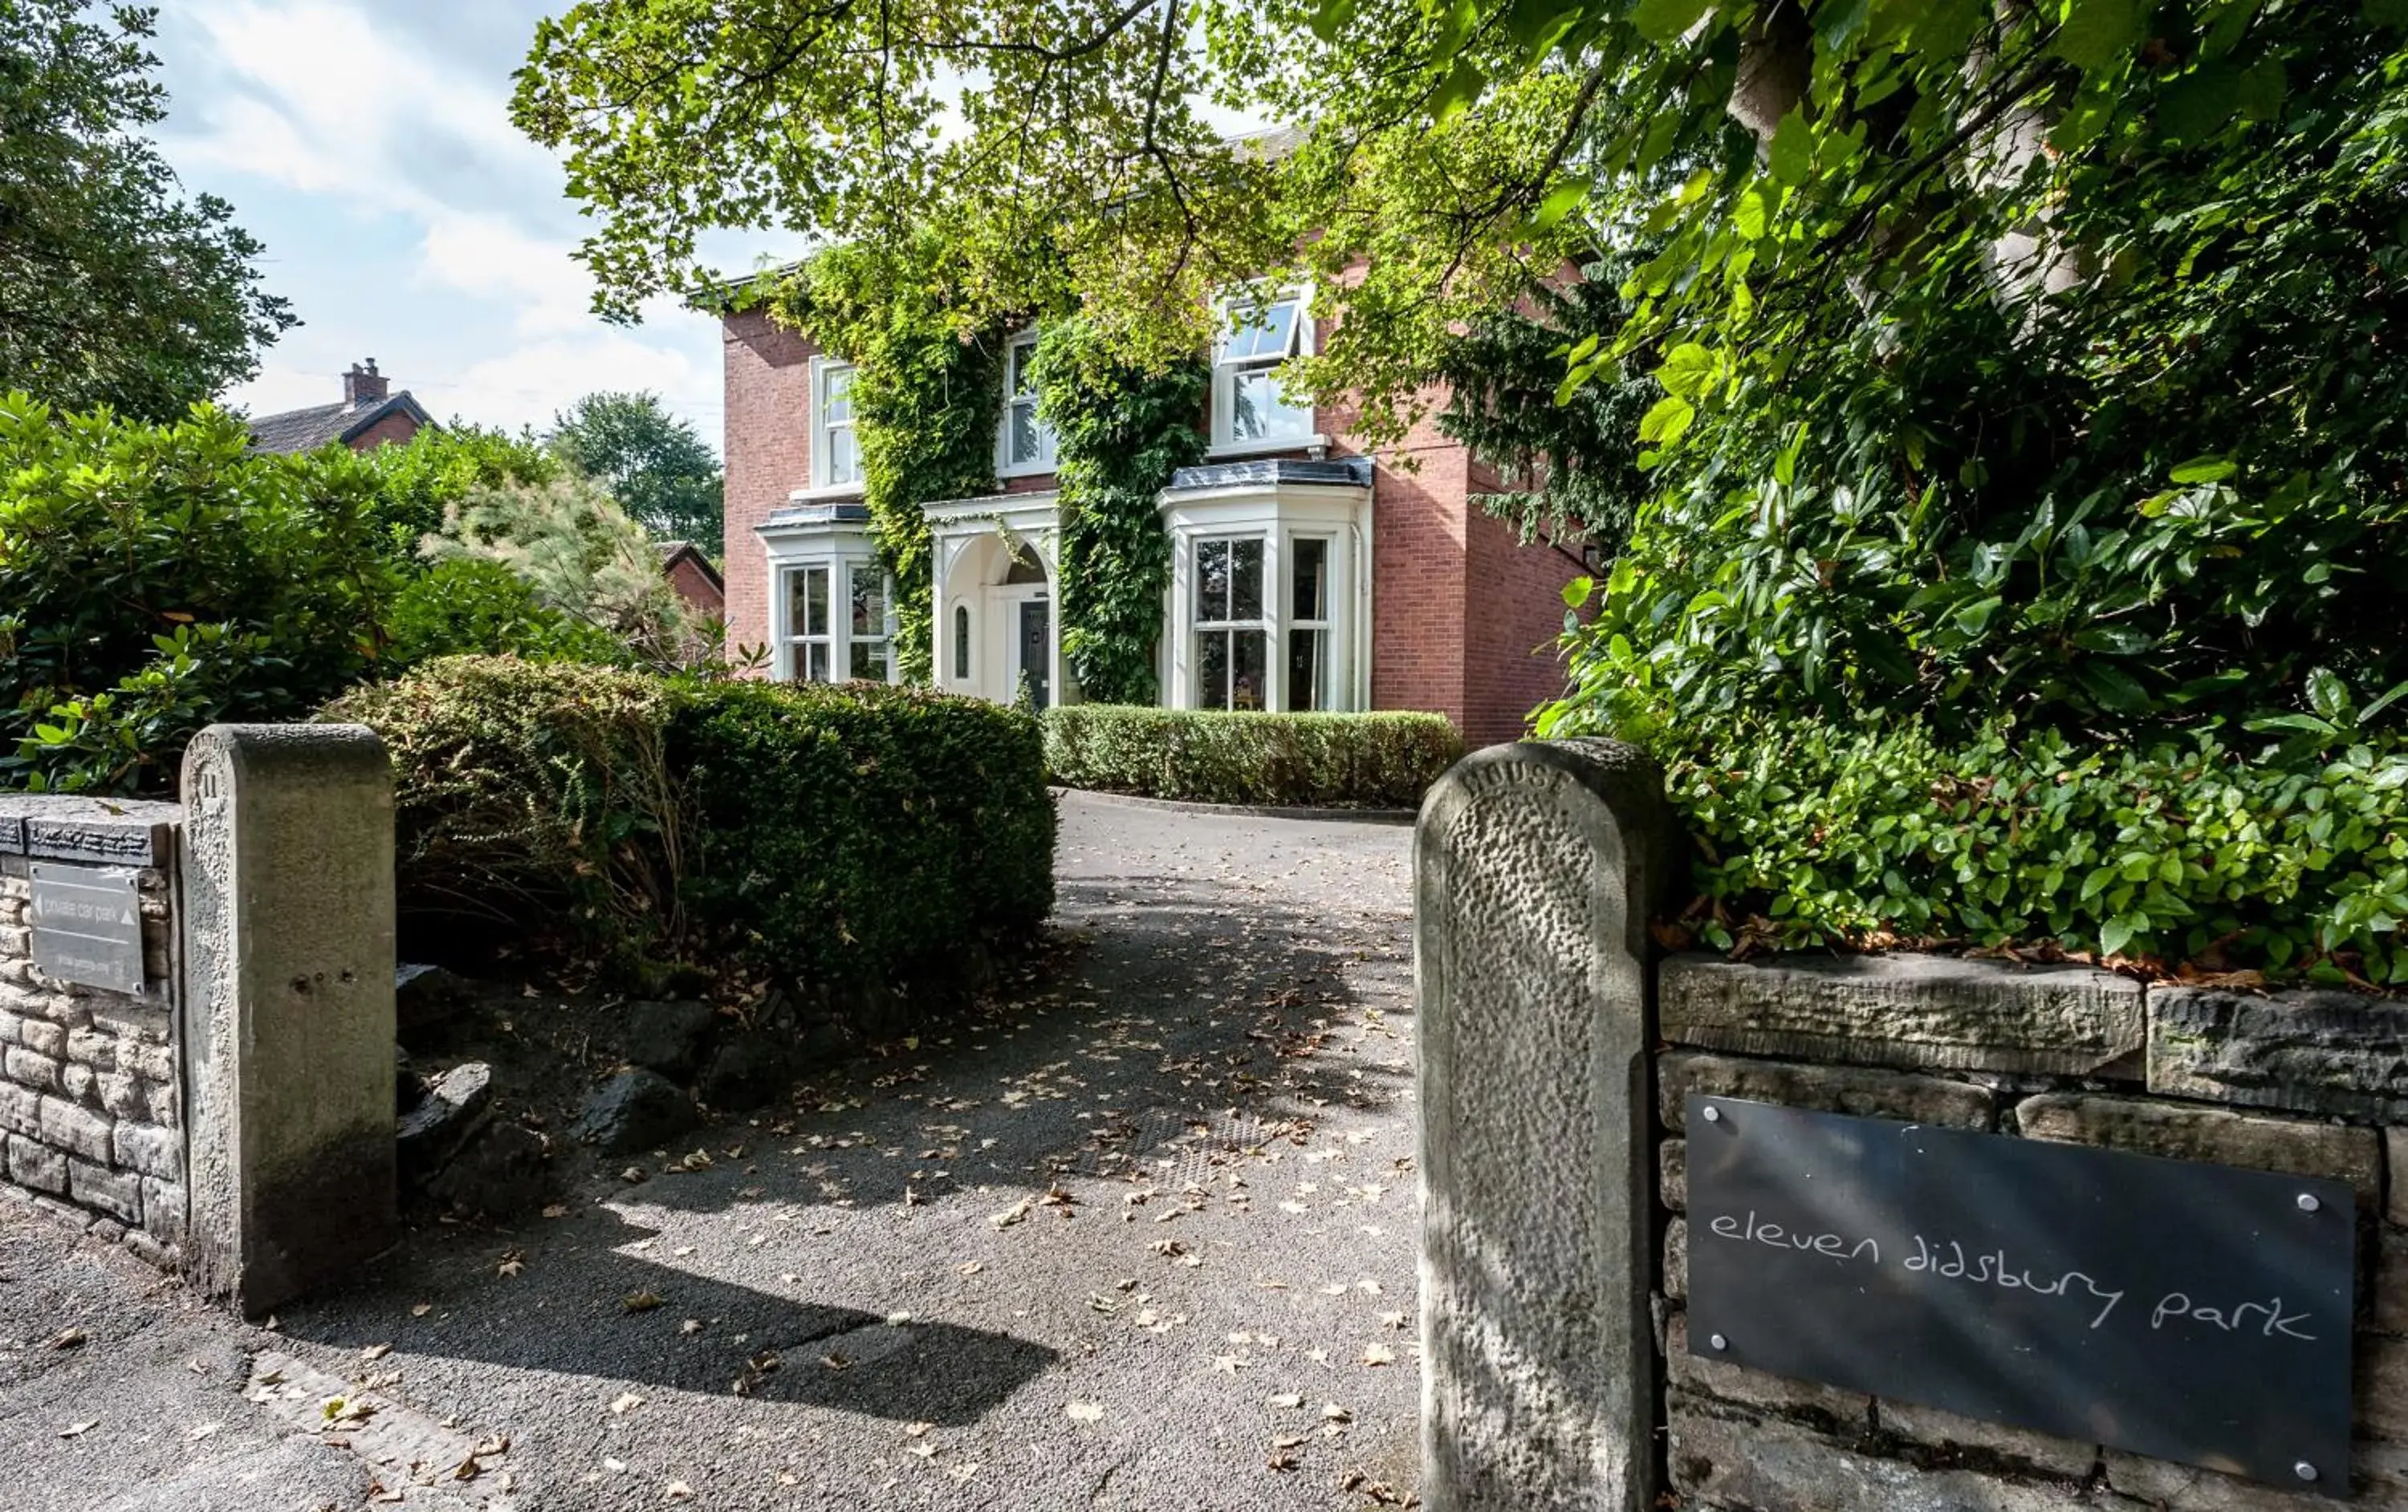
x,y
368,145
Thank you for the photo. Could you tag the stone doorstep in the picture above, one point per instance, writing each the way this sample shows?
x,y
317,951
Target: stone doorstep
x,y
2331,1054
1908,1010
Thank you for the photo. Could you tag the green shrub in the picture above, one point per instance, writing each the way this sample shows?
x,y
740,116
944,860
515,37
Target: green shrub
x,y
471,607
2187,849
809,835
1367,760
153,578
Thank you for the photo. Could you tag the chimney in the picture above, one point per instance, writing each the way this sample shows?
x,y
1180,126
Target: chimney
x,y
364,386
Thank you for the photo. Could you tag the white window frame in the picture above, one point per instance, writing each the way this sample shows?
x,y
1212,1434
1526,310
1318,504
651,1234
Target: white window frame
x,y
1290,627
884,638
824,370
1228,367
1266,623
795,642
1005,464
1282,514
799,640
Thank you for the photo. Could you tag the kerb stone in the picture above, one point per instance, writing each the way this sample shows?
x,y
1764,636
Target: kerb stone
x,y
2307,1052
1536,868
1943,1012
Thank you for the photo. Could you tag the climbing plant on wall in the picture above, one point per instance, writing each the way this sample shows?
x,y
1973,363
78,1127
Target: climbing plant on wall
x,y
1120,431
927,392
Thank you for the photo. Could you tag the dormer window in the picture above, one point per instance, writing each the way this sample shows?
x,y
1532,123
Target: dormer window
x,y
1026,442
1260,330
836,451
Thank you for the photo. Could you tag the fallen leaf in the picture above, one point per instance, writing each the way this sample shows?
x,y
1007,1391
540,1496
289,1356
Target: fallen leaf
x,y
78,1430
692,1325
1083,1412
627,1403
68,1338
554,1210
1014,1213
422,1310
511,1263
641,1301
1379,1354
678,1492
375,1351
1288,1399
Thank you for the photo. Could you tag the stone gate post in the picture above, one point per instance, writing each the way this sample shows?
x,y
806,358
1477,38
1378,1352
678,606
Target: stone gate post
x,y
288,882
1537,866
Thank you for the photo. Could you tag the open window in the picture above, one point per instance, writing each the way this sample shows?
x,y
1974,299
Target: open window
x,y
1260,329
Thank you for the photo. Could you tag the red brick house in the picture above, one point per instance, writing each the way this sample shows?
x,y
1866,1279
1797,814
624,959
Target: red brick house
x,y
1307,573
695,580
369,417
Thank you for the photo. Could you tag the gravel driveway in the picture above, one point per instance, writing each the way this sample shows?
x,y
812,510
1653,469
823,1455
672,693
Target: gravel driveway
x,y
1142,1237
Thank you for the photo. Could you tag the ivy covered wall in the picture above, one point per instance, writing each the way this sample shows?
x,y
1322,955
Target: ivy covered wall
x,y
927,396
1120,431
927,393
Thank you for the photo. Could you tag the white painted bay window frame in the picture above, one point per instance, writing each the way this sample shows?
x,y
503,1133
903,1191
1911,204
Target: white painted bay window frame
x,y
830,541
1336,521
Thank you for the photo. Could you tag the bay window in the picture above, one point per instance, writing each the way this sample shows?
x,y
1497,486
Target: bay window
x,y
1232,640
868,634
810,655
1308,624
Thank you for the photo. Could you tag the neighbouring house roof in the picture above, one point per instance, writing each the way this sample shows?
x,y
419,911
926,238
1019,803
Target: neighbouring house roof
x,y
306,429
673,552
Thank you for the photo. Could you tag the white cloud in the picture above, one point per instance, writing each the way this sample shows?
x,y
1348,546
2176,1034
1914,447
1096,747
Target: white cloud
x,y
418,223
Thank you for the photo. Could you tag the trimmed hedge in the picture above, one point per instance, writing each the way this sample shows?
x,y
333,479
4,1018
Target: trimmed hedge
x,y
1337,760
823,836
2288,858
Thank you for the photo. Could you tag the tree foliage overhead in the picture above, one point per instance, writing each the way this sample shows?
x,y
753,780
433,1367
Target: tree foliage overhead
x,y
114,289
652,462
2024,359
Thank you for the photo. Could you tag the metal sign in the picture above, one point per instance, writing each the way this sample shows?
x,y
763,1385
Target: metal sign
x,y
88,925
2185,1311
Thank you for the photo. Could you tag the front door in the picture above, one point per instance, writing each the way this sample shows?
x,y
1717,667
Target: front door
x,y
1032,656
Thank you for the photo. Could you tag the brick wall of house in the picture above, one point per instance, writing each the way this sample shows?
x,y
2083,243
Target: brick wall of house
x,y
769,456
694,585
1463,615
392,430
1511,662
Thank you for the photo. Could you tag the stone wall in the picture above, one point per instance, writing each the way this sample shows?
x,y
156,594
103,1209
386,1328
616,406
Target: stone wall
x,y
2308,1084
91,1097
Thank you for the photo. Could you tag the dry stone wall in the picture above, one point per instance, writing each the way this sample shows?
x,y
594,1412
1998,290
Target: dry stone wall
x,y
92,1113
2309,1084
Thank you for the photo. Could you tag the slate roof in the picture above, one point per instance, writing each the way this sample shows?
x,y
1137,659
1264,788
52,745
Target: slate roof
x,y
306,429
1355,471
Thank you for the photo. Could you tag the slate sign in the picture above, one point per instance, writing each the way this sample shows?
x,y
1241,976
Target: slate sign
x,y
2185,1311
88,925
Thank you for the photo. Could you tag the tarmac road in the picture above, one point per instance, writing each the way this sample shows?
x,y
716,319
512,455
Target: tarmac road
x,y
1142,1237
